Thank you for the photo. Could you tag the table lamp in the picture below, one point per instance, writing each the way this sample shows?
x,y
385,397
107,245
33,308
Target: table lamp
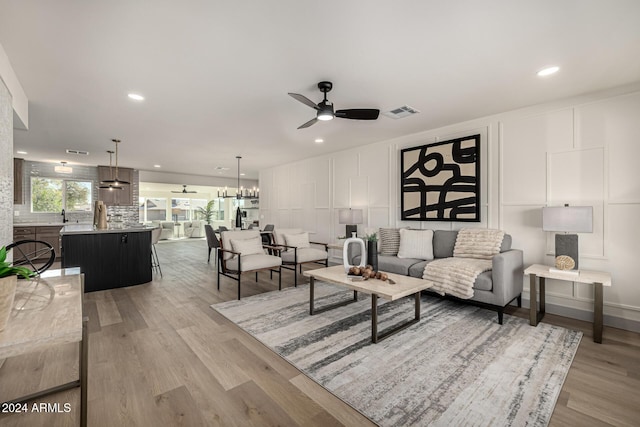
x,y
350,217
567,219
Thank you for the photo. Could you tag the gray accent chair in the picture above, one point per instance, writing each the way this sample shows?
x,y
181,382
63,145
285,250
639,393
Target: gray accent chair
x,y
166,228
494,289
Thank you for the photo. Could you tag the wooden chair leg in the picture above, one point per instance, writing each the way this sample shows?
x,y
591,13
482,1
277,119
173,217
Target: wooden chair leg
x,y
280,278
239,276
256,277
500,315
520,300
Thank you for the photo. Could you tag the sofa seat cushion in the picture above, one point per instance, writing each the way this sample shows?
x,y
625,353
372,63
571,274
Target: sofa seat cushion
x,y
484,281
255,262
305,255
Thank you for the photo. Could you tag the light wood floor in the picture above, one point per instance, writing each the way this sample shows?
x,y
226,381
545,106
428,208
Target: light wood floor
x,y
159,355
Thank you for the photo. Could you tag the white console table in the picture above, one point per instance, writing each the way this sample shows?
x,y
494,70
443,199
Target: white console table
x,y
47,312
542,272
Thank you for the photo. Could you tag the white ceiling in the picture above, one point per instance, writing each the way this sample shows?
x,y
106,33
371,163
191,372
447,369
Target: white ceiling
x,y
216,74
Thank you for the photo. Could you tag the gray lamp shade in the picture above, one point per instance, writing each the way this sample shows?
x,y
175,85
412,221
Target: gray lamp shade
x,y
568,219
350,216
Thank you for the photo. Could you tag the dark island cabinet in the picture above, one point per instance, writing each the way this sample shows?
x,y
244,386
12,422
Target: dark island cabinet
x,y
109,260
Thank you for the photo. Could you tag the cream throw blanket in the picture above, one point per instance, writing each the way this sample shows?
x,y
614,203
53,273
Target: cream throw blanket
x,y
455,276
472,255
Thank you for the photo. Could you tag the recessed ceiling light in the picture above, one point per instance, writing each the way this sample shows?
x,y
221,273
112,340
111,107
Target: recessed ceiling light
x,y
319,140
548,71
156,166
241,174
136,97
21,152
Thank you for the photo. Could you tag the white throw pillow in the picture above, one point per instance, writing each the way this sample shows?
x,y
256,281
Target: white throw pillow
x,y
298,240
416,244
247,246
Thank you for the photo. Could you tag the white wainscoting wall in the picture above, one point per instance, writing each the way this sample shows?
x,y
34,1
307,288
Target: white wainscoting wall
x,y
580,151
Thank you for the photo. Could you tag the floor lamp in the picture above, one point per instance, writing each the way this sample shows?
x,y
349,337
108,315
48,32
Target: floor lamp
x,y
566,221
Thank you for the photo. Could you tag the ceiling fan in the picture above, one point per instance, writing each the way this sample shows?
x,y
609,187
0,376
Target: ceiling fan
x,y
325,108
184,190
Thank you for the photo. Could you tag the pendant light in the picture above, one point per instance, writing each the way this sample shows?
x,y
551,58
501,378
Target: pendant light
x,y
115,181
241,192
103,184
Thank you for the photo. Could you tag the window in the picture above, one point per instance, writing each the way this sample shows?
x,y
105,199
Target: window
x,y
156,209
180,209
53,195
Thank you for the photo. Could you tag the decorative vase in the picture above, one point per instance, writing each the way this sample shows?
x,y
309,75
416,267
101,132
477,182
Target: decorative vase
x,y
372,254
345,252
7,293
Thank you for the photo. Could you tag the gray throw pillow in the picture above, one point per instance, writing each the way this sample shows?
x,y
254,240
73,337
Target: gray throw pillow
x,y
389,241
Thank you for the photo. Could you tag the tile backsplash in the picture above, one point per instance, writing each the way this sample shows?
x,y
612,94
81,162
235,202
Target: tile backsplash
x,y
88,173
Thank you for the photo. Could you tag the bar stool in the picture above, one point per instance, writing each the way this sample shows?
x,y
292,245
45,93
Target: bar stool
x,y
155,261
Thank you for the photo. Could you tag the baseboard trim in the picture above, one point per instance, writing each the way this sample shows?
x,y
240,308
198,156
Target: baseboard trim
x,y
574,313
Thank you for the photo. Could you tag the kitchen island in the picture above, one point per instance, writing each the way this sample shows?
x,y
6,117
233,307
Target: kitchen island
x,y
110,258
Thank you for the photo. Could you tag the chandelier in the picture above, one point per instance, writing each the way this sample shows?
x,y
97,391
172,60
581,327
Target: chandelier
x,y
241,192
114,181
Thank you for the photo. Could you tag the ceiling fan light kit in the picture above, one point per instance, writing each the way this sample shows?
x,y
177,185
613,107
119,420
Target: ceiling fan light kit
x,y
325,112
184,190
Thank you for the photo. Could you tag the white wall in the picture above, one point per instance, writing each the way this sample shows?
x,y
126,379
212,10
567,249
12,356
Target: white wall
x,y
6,166
19,100
581,151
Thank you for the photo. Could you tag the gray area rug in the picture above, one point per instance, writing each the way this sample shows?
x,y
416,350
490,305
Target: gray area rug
x,y
457,366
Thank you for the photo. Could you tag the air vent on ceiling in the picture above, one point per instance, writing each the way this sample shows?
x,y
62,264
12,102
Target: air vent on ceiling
x,y
80,152
221,168
401,112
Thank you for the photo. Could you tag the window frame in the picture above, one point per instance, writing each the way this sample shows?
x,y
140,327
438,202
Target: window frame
x,y
63,181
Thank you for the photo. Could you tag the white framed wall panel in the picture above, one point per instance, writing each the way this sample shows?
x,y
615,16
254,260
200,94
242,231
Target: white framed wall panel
x,y
320,173
615,123
375,166
525,143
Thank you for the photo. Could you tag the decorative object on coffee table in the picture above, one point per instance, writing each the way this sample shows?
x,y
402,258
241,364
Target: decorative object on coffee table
x,y
567,219
8,280
345,253
372,250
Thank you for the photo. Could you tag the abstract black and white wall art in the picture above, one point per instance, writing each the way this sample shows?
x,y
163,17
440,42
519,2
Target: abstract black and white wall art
x,y
441,181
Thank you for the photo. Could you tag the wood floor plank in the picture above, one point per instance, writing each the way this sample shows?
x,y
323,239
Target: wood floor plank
x,y
108,312
172,360
215,355
338,409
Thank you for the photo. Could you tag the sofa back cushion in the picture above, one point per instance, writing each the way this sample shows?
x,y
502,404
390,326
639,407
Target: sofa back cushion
x,y
227,236
416,244
443,243
478,243
389,241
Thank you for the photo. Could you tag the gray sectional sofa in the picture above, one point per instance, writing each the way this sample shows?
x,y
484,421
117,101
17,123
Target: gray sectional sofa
x,y
493,289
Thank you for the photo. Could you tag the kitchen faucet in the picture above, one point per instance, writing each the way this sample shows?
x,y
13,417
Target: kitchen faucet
x,y
64,216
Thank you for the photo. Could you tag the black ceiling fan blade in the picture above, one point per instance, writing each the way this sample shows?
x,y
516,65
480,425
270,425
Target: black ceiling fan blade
x,y
309,123
304,100
358,114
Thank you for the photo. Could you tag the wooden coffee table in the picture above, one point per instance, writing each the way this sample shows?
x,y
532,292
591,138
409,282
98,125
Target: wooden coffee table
x,y
404,286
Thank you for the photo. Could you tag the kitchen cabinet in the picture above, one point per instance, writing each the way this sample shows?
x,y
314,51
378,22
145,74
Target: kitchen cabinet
x,y
18,166
49,234
108,258
122,197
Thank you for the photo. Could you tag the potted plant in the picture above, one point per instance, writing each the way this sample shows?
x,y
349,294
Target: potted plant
x,y
372,250
207,212
8,279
